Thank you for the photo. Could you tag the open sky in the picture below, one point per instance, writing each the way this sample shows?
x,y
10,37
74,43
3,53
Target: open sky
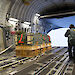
x,y
57,37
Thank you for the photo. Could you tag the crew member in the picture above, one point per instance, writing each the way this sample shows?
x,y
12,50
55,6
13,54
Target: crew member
x,y
69,44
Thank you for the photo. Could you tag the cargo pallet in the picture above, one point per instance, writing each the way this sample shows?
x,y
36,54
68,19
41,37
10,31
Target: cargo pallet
x,y
31,51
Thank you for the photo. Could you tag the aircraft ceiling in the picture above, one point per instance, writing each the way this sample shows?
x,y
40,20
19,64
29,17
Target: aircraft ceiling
x,y
19,10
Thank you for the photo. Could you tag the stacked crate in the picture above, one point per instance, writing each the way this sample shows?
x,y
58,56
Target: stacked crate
x,y
30,44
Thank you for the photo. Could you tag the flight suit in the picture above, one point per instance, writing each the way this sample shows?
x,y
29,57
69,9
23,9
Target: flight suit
x,y
70,46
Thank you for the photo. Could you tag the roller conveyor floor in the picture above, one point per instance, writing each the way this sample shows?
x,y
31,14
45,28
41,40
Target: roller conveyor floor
x,y
53,62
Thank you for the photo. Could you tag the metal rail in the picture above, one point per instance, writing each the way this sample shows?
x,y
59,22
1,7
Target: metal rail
x,y
5,49
57,71
69,68
22,60
13,63
50,62
60,14
16,62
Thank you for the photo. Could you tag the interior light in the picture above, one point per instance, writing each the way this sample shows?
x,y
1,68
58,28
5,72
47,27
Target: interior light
x,y
24,25
12,22
13,19
27,23
37,14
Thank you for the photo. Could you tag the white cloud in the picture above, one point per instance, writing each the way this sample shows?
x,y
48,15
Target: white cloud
x,y
58,38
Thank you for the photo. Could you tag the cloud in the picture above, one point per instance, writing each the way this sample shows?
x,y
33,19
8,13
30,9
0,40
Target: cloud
x,y
58,38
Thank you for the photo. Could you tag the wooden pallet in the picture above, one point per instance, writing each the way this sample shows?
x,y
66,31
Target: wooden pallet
x,y
30,51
